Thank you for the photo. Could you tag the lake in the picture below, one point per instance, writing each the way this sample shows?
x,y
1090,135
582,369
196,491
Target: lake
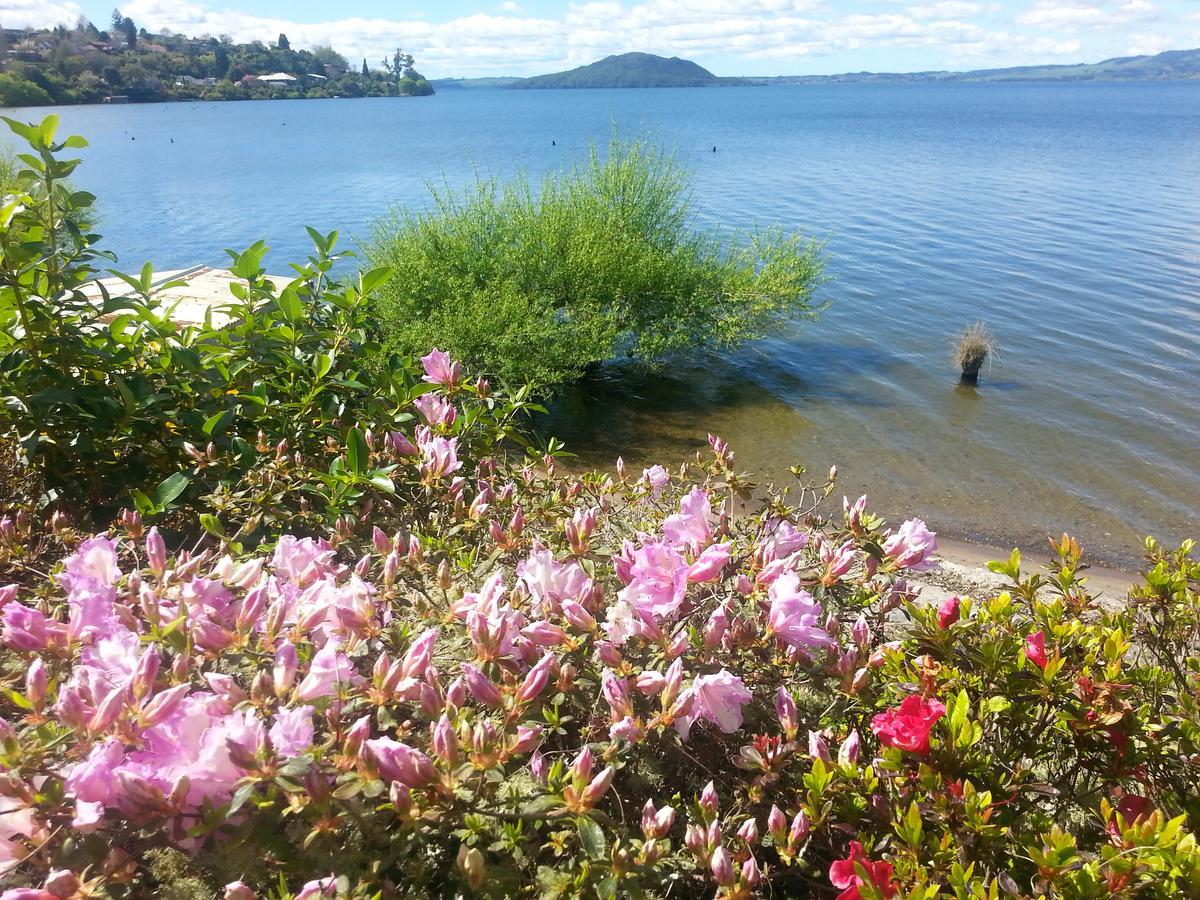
x,y
1065,216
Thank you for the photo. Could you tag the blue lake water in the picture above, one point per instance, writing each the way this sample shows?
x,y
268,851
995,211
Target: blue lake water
x,y
1067,217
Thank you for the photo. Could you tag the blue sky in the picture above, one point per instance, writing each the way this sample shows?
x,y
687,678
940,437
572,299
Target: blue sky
x,y
518,37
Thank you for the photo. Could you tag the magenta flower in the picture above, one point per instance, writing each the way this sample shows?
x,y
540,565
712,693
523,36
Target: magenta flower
x,y
551,582
912,546
907,727
439,369
948,612
658,580
26,628
439,455
481,687
718,698
1035,649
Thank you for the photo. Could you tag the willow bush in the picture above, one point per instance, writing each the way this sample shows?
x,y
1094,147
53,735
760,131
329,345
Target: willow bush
x,y
600,262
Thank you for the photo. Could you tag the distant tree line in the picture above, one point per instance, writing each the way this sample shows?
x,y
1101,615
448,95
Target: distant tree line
x,y
83,64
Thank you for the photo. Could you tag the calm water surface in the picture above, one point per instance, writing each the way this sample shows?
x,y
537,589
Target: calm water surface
x,y
1065,216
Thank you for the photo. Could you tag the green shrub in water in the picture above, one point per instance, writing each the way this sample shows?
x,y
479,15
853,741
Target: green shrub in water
x,y
600,262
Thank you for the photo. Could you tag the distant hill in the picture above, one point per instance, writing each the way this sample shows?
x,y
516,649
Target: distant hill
x,y
494,82
1171,64
628,70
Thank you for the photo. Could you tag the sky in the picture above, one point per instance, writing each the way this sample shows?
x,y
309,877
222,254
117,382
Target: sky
x,y
752,37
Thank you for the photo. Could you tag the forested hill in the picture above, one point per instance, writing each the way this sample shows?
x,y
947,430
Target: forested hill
x,y
633,70
42,67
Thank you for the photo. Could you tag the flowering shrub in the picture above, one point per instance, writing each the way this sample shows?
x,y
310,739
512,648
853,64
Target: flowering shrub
x,y
571,684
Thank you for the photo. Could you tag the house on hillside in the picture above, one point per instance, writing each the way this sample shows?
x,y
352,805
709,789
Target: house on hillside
x,y
282,79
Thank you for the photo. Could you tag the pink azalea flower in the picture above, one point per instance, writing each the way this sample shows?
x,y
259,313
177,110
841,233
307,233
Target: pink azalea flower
x,y
439,455
439,369
329,673
912,546
794,617
690,527
657,478
95,562
718,698
292,733
709,564
551,582
302,560
436,409
659,580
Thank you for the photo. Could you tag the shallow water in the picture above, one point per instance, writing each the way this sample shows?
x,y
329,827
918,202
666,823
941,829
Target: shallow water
x,y
1065,216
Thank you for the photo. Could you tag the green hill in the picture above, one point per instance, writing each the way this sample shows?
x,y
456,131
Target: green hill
x,y
628,70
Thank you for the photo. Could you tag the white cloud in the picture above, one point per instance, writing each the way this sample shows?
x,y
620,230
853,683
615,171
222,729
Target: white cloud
x,y
38,13
1054,14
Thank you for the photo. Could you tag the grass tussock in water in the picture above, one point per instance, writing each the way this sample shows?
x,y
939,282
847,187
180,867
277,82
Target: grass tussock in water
x,y
537,284
973,349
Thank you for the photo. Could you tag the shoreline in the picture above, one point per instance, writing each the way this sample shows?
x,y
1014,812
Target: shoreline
x,y
963,571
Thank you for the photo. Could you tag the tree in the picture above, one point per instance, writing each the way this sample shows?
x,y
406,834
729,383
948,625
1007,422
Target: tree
x,y
131,34
221,61
399,62
366,73
118,20
283,43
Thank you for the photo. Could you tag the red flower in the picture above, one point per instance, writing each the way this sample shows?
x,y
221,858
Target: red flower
x,y
948,612
1035,649
843,874
1131,808
908,726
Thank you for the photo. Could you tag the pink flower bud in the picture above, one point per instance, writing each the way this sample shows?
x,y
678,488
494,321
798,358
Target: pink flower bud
x,y
708,798
576,615
601,783
860,631
36,682
416,660
776,824
715,628
748,832
528,738
789,715
848,751
63,883
817,747
616,694
445,740
146,671
283,672
799,830
481,687
239,890
539,766
356,734
109,710
156,552
456,694
656,824
722,867
650,683
751,874
694,840
581,768
608,653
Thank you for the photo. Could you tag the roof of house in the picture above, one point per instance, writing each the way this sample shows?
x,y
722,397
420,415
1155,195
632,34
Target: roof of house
x,y
278,76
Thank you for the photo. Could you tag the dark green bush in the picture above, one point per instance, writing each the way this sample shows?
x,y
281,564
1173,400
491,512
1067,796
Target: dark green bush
x,y
600,262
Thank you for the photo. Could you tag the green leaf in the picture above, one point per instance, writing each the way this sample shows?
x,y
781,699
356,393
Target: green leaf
x,y
591,837
217,422
212,525
144,504
322,363
170,488
357,453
